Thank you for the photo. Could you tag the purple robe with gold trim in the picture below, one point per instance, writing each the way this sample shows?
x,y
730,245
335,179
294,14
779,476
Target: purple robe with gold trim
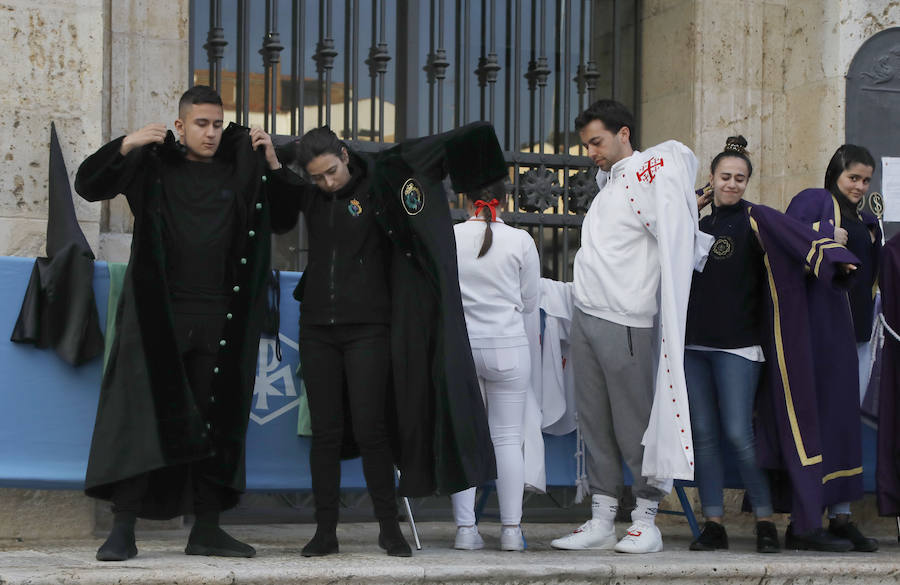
x,y
808,407
887,477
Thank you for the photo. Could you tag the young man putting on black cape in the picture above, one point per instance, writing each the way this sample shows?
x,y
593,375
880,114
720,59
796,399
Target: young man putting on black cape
x,y
172,418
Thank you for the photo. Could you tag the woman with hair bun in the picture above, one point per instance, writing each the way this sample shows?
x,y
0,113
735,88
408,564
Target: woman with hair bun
x,y
499,274
723,356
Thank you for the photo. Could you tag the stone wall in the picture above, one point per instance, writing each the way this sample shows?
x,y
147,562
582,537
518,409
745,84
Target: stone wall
x,y
771,70
54,69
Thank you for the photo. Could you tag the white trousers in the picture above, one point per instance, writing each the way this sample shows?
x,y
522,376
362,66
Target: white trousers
x,y
504,375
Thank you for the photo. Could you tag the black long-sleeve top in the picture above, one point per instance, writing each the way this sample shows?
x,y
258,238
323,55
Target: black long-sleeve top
x,y
726,302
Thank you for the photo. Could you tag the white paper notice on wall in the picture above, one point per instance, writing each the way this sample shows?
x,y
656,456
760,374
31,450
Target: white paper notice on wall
x,y
890,187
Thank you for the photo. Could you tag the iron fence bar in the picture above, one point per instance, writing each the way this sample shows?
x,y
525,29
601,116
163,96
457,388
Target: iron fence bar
x,y
492,65
541,73
430,65
591,71
441,68
508,73
408,94
271,52
355,58
348,57
532,82
382,71
557,84
243,63
616,52
267,73
638,10
528,219
458,58
320,70
373,72
300,63
567,116
192,42
215,44
482,59
295,39
462,66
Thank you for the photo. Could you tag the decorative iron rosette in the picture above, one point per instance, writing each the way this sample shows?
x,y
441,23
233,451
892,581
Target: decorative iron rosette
x,y
539,189
582,189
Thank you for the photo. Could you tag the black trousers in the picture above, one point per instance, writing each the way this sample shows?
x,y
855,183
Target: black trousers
x,y
358,357
197,336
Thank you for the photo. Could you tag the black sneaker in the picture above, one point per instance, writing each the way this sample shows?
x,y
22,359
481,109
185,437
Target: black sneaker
x,y
849,531
818,539
713,537
767,537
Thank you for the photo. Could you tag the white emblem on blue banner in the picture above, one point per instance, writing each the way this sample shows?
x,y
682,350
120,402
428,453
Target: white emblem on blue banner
x,y
274,392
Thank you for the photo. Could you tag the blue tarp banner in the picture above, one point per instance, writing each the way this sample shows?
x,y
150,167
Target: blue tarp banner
x,y
47,407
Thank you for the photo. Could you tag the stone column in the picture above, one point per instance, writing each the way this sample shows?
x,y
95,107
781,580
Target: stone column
x,y
148,73
54,70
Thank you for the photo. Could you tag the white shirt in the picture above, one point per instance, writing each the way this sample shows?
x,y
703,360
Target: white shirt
x,y
617,267
498,288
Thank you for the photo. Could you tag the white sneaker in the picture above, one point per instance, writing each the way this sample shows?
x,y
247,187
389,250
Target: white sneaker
x,y
592,535
468,538
641,537
511,538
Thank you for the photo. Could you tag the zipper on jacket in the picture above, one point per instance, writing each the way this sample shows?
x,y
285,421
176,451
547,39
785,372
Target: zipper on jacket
x,y
331,275
630,344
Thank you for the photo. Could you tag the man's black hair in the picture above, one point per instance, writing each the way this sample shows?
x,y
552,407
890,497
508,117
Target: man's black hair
x,y
843,157
613,114
199,94
317,142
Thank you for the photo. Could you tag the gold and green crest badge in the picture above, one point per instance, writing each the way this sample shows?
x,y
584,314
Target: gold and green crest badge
x,y
412,197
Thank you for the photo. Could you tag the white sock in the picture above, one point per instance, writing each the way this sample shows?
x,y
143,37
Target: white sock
x,y
604,508
644,511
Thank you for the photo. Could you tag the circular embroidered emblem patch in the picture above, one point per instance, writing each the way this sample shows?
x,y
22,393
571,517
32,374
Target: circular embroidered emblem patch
x,y
722,248
876,202
354,208
411,197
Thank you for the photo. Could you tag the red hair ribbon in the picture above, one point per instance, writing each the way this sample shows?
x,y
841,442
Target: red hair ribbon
x,y
492,205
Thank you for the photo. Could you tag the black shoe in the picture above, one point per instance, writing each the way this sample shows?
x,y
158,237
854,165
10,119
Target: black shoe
x,y
323,543
713,537
391,539
211,541
818,539
767,537
849,531
119,545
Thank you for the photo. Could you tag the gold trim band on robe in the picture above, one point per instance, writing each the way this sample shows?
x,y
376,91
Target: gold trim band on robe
x,y
842,473
805,460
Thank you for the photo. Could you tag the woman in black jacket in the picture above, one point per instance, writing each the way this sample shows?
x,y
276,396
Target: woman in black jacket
x,y
383,345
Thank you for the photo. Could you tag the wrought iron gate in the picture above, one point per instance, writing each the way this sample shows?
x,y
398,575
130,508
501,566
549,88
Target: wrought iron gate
x,y
528,66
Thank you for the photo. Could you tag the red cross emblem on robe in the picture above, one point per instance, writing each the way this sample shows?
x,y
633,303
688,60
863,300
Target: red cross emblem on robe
x,y
648,172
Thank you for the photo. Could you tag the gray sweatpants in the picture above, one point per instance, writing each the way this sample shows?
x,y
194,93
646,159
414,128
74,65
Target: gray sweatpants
x,y
613,397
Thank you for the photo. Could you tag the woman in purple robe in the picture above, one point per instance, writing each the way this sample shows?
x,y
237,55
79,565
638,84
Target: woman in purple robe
x,y
833,212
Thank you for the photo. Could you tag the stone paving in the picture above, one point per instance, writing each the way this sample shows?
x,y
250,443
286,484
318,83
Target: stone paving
x,y
161,561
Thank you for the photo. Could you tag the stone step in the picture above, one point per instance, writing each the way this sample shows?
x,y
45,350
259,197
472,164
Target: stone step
x,y
161,560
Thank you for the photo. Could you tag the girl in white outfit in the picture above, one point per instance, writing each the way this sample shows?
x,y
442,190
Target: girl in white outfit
x,y
499,271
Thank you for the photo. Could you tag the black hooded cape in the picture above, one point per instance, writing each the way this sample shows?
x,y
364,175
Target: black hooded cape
x,y
147,421
59,309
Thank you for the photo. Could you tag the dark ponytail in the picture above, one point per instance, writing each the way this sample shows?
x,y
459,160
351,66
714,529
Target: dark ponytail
x,y
495,191
488,234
